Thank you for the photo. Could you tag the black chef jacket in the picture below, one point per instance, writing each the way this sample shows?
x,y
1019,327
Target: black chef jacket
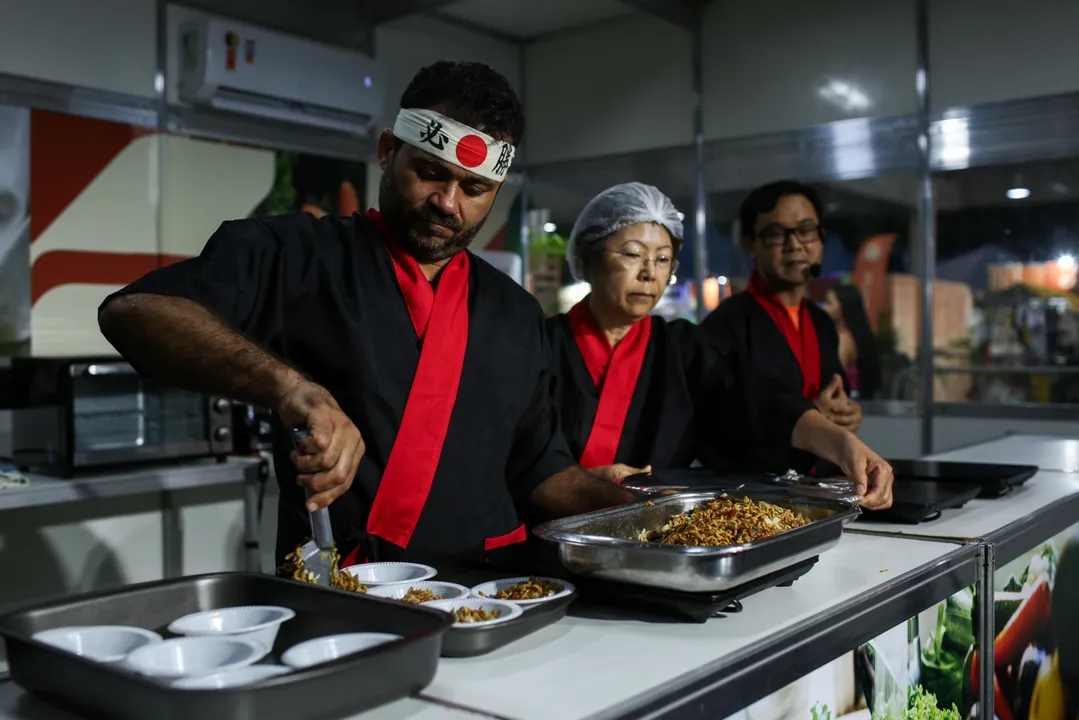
x,y
322,295
683,380
741,321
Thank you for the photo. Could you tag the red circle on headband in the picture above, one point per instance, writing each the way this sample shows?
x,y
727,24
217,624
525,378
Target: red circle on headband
x,y
471,151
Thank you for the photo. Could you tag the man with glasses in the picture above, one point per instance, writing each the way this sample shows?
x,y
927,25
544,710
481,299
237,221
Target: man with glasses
x,y
789,341
627,385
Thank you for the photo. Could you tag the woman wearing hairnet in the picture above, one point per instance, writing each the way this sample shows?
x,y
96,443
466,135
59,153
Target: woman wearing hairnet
x,y
627,383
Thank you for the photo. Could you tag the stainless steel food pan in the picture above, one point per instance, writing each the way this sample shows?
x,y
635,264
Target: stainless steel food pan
x,y
599,544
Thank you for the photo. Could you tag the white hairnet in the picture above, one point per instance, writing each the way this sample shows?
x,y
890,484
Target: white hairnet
x,y
615,208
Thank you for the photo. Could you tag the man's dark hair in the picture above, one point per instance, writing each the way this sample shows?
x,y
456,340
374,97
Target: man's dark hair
x,y
764,200
471,93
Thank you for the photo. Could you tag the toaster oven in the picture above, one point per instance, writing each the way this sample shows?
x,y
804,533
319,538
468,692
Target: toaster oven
x,y
80,414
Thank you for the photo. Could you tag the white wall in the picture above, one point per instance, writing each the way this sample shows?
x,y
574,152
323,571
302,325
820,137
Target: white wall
x,y
900,437
405,46
769,63
103,44
991,50
617,88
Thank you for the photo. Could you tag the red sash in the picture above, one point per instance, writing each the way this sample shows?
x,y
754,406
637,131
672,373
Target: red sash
x,y
410,470
802,339
615,373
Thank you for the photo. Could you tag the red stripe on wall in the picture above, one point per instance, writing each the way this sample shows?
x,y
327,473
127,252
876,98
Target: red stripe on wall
x,y
66,154
67,267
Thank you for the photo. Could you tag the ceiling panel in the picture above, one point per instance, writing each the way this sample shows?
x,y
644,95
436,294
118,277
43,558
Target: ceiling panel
x,y
530,19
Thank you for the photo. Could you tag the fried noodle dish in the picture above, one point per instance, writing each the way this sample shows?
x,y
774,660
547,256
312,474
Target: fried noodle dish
x,y
531,589
474,615
293,567
724,521
418,596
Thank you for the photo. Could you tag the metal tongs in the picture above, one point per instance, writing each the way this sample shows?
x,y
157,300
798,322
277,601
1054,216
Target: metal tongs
x,y
319,555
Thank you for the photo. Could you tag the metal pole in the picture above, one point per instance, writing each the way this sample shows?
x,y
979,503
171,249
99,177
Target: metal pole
x,y
927,269
700,249
526,264
986,632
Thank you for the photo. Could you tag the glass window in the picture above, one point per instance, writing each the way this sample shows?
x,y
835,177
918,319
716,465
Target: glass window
x,y
866,279
1007,309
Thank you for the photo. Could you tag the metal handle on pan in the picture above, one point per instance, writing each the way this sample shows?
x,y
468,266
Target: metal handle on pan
x,y
320,519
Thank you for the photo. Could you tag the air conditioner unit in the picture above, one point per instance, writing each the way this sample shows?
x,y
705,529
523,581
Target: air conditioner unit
x,y
240,68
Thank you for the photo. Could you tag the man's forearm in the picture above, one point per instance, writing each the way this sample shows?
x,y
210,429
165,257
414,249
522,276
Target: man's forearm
x,y
184,344
574,491
818,435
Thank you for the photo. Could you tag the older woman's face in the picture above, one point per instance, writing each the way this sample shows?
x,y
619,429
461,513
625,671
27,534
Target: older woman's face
x,y
632,269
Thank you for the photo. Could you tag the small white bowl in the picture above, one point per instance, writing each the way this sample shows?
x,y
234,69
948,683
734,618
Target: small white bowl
x,y
489,589
232,678
397,591
384,573
101,643
331,647
251,622
193,656
509,610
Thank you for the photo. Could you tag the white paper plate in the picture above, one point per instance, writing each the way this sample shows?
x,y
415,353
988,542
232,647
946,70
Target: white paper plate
x,y
252,622
100,643
330,647
509,610
384,573
488,589
396,591
192,656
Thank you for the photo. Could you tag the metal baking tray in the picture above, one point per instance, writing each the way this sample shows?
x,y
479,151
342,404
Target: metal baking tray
x,y
470,642
341,688
597,544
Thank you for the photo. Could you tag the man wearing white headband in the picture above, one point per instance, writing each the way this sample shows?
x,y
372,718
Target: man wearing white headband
x,y
386,340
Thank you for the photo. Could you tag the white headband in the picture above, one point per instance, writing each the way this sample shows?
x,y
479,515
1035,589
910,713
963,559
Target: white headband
x,y
454,142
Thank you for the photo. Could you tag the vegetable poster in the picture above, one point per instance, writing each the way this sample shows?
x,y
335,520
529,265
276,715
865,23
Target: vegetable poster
x,y
927,668
1036,645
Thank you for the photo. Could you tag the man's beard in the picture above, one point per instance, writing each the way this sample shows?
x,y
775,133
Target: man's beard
x,y
411,226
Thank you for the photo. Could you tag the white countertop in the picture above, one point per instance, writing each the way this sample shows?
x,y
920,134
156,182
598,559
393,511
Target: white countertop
x,y
1047,452
44,490
582,666
979,518
17,705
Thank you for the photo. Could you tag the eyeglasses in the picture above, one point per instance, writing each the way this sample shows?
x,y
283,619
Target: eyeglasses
x,y
635,261
775,236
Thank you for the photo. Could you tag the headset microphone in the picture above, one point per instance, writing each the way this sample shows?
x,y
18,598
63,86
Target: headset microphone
x,y
814,270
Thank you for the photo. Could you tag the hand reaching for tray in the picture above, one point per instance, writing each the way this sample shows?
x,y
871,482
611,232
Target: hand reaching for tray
x,y
618,472
871,474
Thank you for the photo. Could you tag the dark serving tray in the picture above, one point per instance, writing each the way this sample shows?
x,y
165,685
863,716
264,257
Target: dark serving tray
x,y
918,502
993,480
470,642
340,688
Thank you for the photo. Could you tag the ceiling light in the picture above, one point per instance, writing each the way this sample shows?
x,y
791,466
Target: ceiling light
x,y
1018,193
722,280
549,227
